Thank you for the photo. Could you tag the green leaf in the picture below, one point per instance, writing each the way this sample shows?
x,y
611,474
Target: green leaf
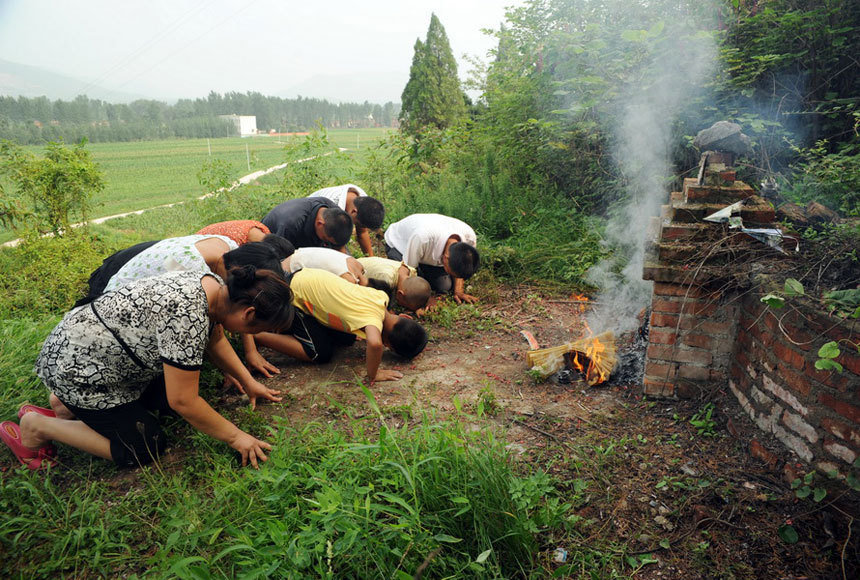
x,y
447,539
482,557
829,350
793,288
788,534
825,364
665,543
774,301
819,494
803,492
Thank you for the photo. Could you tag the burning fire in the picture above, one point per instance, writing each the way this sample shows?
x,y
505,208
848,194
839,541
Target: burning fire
x,y
582,299
595,365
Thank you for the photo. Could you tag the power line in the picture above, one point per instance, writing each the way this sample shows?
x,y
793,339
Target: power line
x,y
127,59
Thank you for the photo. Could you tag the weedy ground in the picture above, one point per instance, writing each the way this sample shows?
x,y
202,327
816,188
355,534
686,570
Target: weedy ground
x,y
464,468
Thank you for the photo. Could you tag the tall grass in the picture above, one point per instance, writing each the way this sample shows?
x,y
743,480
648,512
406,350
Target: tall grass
x,y
366,502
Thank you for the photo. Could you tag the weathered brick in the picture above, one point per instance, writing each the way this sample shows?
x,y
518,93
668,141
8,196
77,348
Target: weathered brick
x,y
657,388
847,410
742,398
682,290
677,354
661,371
717,328
662,336
723,345
659,319
736,371
666,306
788,355
759,451
850,360
776,389
698,340
796,382
794,443
800,336
841,430
798,425
763,400
695,373
741,359
699,308
838,381
841,451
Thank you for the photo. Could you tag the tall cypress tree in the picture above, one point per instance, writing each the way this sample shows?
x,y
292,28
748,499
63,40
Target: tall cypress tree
x,y
432,96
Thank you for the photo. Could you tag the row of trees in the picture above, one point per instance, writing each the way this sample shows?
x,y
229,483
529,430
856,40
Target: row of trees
x,y
36,120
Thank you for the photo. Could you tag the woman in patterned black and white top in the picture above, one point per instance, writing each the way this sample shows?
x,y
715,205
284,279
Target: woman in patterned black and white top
x,y
112,362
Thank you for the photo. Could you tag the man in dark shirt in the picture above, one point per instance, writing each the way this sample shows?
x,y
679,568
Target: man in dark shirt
x,y
310,222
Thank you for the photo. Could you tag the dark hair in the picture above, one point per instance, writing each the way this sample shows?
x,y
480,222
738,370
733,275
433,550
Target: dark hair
x,y
283,247
369,212
378,284
338,225
463,260
407,338
267,291
257,254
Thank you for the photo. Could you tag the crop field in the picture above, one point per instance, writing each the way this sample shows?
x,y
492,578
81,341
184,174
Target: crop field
x,y
144,174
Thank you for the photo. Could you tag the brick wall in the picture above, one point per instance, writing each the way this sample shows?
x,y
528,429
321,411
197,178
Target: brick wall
x,y
815,414
691,339
701,339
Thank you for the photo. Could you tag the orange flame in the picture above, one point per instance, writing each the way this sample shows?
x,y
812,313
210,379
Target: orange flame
x,y
594,353
582,299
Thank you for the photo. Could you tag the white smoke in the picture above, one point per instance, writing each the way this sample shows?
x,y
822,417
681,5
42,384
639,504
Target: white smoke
x,y
644,138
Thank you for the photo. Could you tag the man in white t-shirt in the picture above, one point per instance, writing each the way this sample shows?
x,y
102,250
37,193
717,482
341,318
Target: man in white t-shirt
x,y
442,248
367,213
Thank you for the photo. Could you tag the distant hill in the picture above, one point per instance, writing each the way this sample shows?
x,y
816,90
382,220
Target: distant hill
x,y
31,81
353,88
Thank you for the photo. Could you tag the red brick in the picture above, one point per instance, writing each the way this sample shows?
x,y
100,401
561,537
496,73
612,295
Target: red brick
x,y
657,388
699,308
660,371
665,289
742,360
714,327
798,383
850,360
788,356
694,373
799,335
684,355
665,320
698,340
847,410
840,429
838,381
771,322
668,306
759,451
661,336
736,371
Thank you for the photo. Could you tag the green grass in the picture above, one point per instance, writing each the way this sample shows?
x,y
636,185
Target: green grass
x,y
145,174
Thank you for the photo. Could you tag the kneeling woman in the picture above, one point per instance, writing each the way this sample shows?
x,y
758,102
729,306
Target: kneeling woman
x,y
139,349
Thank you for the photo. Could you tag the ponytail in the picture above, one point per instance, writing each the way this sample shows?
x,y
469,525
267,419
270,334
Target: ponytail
x,y
267,291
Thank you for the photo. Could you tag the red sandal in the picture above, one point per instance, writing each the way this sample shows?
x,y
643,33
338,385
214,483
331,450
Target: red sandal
x,y
28,408
34,459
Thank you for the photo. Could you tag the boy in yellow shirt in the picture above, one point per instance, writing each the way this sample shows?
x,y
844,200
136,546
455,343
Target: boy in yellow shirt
x,y
331,311
400,281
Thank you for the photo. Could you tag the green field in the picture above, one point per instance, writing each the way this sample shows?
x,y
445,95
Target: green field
x,y
144,174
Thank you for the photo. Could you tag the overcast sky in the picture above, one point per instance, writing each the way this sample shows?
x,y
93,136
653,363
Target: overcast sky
x,y
184,48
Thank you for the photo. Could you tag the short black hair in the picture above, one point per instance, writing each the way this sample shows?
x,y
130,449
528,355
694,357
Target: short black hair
x,y
370,212
283,247
407,338
463,260
258,254
338,225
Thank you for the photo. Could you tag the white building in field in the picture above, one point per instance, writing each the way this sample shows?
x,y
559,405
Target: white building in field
x,y
246,124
